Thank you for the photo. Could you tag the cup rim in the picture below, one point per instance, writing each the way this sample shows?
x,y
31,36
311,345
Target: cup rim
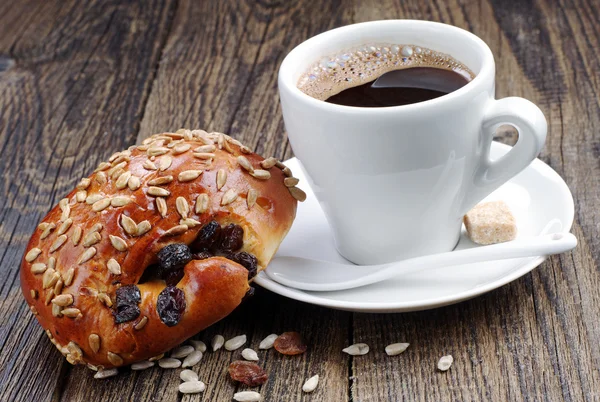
x,y
286,70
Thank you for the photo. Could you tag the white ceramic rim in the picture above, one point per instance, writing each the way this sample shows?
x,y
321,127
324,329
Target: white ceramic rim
x,y
537,164
289,68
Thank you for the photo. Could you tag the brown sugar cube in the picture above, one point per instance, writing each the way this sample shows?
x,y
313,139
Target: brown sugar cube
x,y
490,223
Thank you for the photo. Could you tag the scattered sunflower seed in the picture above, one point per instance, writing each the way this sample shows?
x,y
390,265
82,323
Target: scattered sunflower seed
x,y
191,387
261,174
290,181
134,183
101,178
192,359
396,348
250,355
161,207
83,183
358,349
229,197
46,231
198,345
143,365
217,342
156,358
245,163
93,198
69,276
118,243
56,310
141,323
297,193
445,363
204,155
87,255
38,268
143,227
114,358
158,192
159,181
268,163
77,232
129,225
149,165
189,175
91,238
202,203
205,149
121,182
176,230
235,342
63,300
156,151
251,197
120,201
311,384
32,254
65,208
182,351
182,207
267,343
113,266
64,226
81,195
94,341
101,205
72,313
188,375
60,240
105,299
221,178
245,149
246,396
169,362
105,373
181,148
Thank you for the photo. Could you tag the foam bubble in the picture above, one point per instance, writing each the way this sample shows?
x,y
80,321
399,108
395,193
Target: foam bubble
x,y
357,66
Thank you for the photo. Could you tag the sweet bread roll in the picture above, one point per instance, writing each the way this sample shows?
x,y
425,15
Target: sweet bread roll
x,y
157,244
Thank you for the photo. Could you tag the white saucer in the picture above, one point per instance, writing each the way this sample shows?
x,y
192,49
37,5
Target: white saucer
x,y
536,196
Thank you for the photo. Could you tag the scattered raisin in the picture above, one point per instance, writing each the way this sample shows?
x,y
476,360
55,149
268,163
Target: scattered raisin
x,y
127,299
248,261
247,373
170,305
207,237
172,278
202,255
173,257
232,237
290,343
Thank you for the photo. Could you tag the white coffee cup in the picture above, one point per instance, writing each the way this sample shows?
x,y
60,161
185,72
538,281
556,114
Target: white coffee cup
x,y
395,182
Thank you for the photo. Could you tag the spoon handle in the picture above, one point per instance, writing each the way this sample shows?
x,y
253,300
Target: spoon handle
x,y
554,243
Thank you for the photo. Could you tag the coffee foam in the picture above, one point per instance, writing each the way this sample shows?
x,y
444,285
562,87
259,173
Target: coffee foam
x,y
364,64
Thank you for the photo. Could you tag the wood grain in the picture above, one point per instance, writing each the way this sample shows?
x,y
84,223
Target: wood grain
x,y
79,80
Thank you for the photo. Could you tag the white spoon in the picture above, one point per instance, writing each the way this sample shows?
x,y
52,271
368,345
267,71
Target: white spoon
x,y
307,274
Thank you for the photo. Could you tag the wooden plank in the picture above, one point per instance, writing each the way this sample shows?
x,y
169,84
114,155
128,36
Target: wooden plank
x,y
68,69
73,88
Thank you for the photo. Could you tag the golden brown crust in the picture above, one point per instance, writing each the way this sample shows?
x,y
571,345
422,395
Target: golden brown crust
x,y
110,228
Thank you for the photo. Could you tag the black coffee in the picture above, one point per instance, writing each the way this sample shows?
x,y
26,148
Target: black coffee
x,y
384,75
401,87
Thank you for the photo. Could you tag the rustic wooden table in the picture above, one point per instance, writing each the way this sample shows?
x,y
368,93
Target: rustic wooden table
x,y
79,80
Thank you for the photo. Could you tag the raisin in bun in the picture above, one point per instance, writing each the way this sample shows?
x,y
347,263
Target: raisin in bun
x,y
157,244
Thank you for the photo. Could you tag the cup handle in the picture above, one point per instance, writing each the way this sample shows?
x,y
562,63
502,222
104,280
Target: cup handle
x,y
531,125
